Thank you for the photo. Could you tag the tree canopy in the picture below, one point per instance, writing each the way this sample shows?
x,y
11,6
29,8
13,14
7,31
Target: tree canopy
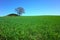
x,y
19,10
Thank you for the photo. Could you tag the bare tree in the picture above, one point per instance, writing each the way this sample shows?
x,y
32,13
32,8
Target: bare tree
x,y
19,10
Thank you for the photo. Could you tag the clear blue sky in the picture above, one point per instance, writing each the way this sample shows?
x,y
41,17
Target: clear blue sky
x,y
32,7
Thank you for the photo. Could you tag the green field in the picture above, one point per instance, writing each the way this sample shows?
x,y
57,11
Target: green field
x,y
30,28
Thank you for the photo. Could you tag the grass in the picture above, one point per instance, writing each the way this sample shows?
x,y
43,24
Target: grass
x,y
30,28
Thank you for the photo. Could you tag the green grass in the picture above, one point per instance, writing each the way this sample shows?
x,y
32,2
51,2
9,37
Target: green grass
x,y
30,28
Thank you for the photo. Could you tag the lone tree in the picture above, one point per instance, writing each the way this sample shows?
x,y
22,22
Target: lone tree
x,y
19,10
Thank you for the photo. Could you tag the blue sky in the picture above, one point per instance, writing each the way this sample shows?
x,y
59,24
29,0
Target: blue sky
x,y
32,7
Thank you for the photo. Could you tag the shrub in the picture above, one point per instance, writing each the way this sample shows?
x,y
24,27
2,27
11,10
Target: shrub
x,y
12,15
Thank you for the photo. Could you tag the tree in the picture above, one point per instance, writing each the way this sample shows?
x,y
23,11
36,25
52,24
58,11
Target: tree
x,y
19,10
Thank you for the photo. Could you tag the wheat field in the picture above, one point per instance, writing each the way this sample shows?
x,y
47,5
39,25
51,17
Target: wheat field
x,y
30,28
